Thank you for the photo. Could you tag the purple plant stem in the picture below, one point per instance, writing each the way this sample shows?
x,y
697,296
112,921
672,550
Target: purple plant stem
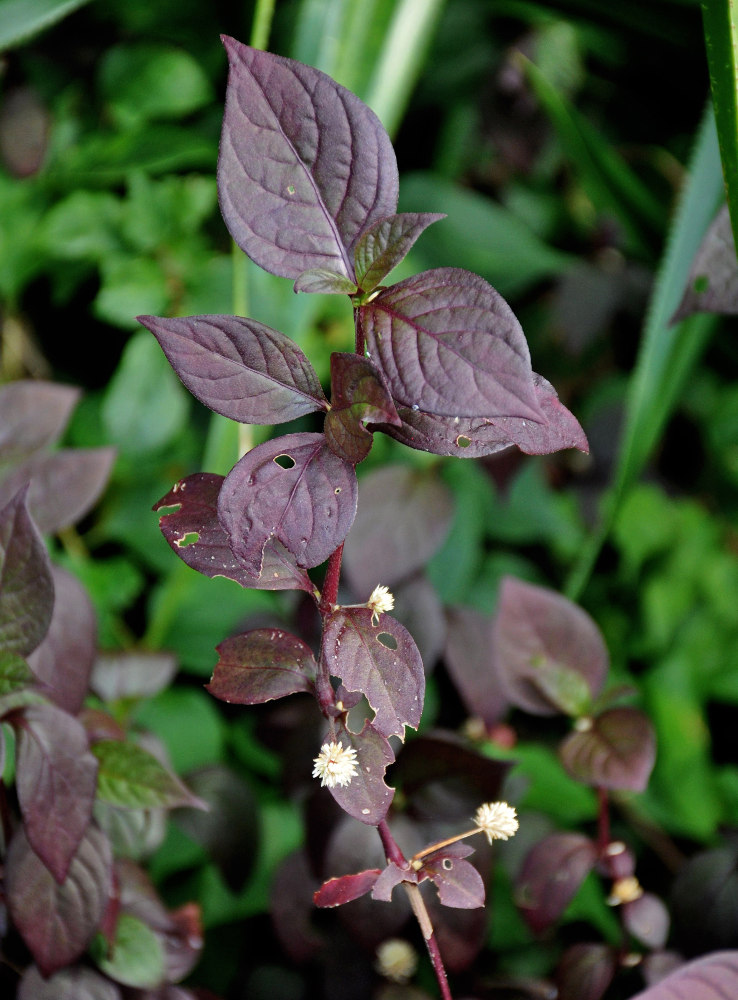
x,y
329,594
360,345
431,943
390,845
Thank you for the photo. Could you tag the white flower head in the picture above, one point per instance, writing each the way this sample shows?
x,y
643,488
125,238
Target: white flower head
x,y
380,600
397,960
335,765
497,820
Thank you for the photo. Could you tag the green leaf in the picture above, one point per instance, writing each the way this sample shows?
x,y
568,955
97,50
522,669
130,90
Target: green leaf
x,y
132,778
137,957
720,20
20,19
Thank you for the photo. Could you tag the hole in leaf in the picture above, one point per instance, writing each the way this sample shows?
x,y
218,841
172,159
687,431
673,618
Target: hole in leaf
x,y
189,539
463,441
387,640
290,189
447,864
701,283
337,490
284,461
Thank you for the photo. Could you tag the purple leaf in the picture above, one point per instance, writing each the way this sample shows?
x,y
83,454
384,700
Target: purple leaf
x,y
197,536
134,674
647,919
64,486
471,666
615,749
75,983
403,518
585,971
64,660
449,344
552,872
559,429
33,415
56,782
304,166
346,888
26,584
366,797
291,905
260,666
359,397
712,285
713,977
292,489
56,921
384,244
458,882
549,653
325,282
239,367
391,876
376,655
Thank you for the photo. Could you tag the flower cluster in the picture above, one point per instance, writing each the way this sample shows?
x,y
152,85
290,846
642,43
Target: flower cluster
x,y
335,765
497,820
380,599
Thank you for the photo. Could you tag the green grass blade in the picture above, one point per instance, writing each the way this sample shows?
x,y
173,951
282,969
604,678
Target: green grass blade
x,y
720,19
667,353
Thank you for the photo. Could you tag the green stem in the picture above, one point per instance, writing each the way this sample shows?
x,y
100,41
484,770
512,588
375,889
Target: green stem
x,y
261,24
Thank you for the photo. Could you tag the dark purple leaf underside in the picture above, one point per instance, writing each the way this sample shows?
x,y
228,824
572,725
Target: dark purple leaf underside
x,y
58,921
376,655
64,660
65,484
366,797
56,782
75,983
712,285
359,397
304,165
449,344
26,584
469,661
197,536
617,750
387,242
260,666
33,415
549,653
458,882
713,977
345,888
585,971
551,874
403,518
239,368
292,489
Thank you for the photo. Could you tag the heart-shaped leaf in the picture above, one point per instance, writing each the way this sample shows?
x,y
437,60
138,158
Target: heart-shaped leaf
x,y
260,666
449,344
304,165
374,654
56,782
132,778
345,888
195,533
33,415
552,872
615,749
384,244
549,653
26,584
293,489
458,882
359,397
366,797
712,977
239,367
58,921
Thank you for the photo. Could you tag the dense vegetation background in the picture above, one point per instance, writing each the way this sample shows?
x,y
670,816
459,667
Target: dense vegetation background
x,y
557,138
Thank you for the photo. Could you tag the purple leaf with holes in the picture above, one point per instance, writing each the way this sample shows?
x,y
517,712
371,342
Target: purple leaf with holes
x,y
549,653
56,781
239,368
713,977
260,666
359,397
26,584
304,165
471,666
585,971
376,655
294,490
449,344
458,882
403,518
346,888
195,533
615,749
552,872
366,797
64,660
33,415
56,921
384,244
